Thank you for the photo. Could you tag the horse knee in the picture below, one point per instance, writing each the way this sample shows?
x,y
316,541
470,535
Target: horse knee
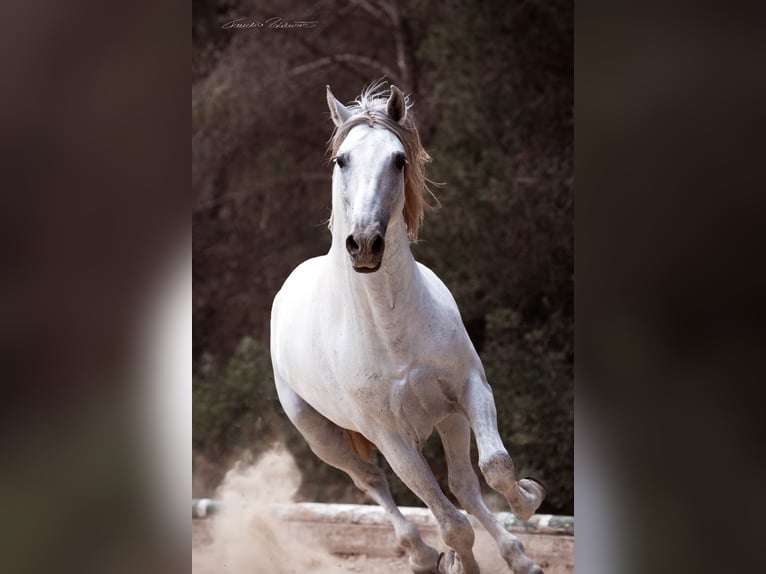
x,y
510,549
499,472
407,535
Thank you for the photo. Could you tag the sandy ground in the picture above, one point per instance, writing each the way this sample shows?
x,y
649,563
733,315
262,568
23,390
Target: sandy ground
x,y
248,539
207,559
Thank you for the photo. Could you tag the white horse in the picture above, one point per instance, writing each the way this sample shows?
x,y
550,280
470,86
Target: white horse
x,y
369,349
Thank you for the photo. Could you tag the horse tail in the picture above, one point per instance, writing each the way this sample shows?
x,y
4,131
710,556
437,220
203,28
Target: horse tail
x,y
359,444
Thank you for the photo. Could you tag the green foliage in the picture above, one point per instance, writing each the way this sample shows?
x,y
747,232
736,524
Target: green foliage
x,y
503,146
235,405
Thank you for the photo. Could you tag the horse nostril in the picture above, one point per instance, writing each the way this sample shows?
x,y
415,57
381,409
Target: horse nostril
x,y
377,245
351,245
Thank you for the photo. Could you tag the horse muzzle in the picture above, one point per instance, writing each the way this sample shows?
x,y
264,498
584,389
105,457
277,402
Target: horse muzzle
x,y
366,250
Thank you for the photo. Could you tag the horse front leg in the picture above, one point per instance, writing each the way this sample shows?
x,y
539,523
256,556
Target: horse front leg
x,y
524,496
463,482
410,466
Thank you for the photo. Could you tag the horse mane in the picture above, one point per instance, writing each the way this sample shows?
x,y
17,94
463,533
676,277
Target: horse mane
x,y
370,109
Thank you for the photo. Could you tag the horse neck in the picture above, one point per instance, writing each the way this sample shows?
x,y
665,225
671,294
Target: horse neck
x,y
389,291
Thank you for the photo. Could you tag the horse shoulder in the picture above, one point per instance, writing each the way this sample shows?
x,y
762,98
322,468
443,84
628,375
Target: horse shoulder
x,y
288,311
444,309
452,336
438,289
300,281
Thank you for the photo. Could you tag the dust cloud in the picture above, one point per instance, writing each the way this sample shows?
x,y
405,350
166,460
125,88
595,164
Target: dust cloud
x,y
247,537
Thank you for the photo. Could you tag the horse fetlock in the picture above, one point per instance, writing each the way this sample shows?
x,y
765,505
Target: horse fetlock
x,y
407,535
528,567
524,496
457,532
512,551
425,563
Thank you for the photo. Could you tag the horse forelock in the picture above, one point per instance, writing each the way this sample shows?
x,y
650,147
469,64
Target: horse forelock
x,y
370,109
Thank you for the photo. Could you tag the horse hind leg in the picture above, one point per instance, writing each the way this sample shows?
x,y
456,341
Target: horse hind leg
x,y
525,495
455,434
330,443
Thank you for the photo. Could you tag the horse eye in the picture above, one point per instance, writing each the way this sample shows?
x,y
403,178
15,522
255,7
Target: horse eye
x,y
340,161
400,161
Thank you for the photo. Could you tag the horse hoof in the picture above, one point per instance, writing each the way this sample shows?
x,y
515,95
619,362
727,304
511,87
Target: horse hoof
x,y
439,563
535,495
447,563
532,495
450,563
540,486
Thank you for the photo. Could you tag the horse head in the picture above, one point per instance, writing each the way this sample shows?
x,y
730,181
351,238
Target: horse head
x,y
378,178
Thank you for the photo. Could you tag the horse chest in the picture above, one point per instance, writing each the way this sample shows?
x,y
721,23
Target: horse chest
x,y
363,364
406,402
379,377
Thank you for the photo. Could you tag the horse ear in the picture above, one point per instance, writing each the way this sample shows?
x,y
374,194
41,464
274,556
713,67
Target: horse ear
x,y
397,107
338,111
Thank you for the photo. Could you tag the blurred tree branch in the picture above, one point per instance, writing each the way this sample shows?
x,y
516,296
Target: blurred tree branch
x,y
353,58
261,185
371,9
387,14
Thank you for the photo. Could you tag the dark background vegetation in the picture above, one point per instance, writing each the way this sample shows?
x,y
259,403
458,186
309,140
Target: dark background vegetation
x,y
492,84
